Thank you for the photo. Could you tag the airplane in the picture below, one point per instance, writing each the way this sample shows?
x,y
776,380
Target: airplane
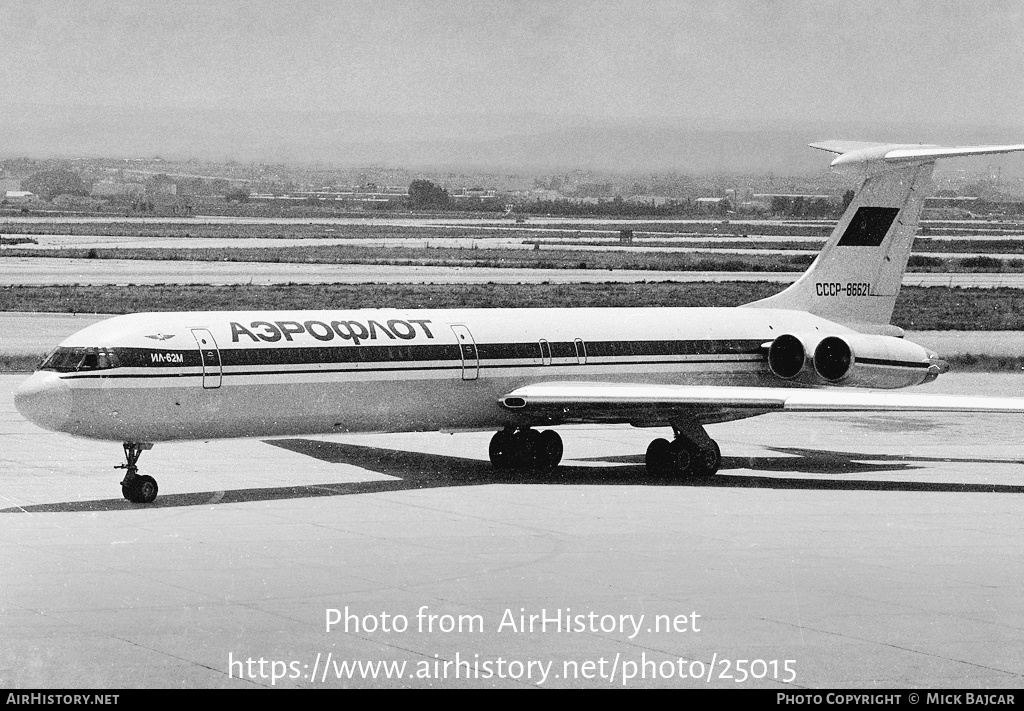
x,y
823,344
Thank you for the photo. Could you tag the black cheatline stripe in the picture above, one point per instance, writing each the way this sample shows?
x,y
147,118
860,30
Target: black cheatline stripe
x,y
454,366
143,358
892,363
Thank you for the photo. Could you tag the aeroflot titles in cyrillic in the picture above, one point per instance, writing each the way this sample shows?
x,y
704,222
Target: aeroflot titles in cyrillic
x,y
355,331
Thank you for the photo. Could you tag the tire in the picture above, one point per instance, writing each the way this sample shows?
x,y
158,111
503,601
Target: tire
x,y
685,459
659,458
500,450
146,490
549,450
526,445
711,459
141,490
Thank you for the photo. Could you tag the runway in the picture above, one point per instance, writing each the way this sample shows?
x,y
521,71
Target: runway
x,y
870,551
25,271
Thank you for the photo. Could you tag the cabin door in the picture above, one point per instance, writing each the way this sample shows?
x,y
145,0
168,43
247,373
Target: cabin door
x,y
210,356
467,349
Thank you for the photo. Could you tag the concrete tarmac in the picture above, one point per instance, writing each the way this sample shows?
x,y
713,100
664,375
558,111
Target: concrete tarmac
x,y
865,551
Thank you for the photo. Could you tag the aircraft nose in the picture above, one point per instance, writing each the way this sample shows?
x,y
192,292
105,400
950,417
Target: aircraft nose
x,y
45,400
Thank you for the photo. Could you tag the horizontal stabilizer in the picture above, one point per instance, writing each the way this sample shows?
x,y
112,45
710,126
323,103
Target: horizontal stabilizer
x,y
845,146
860,154
942,152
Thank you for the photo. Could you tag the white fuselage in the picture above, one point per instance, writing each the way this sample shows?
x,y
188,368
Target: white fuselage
x,y
201,375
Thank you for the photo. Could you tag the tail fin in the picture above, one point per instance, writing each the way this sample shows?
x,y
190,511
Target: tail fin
x,y
857,275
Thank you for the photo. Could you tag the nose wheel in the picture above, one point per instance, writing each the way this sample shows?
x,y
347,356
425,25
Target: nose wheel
x,y
137,489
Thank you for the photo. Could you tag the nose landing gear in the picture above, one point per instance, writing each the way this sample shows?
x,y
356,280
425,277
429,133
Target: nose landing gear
x,y
135,488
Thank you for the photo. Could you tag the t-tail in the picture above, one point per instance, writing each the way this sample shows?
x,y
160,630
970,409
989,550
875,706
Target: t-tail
x,y
857,275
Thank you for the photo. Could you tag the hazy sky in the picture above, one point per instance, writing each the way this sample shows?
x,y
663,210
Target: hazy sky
x,y
295,79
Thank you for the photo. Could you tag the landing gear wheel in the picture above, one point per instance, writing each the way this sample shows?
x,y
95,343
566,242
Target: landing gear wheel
x,y
682,458
501,451
140,490
526,446
659,458
525,449
710,459
549,451
145,489
685,457
691,455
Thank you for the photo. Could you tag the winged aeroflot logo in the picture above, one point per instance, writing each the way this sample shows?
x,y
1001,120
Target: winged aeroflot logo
x,y
161,337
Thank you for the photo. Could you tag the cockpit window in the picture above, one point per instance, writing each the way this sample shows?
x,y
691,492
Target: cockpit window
x,y
74,359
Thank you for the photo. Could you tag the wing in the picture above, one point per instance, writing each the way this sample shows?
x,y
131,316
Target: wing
x,y
845,146
653,404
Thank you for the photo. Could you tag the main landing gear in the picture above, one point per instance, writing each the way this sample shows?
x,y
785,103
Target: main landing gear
x,y
525,449
691,455
135,488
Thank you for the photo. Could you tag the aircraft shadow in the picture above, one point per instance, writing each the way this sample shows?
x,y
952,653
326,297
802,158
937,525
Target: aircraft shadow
x,y
416,470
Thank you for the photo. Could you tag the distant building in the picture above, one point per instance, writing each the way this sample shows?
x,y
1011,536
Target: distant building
x,y
655,200
473,193
790,196
368,195
19,197
711,204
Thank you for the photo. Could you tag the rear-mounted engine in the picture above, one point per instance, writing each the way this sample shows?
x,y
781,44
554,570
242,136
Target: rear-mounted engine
x,y
854,360
865,361
788,358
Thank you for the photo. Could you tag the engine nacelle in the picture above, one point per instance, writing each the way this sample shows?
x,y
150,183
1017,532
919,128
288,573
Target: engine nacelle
x,y
856,360
866,361
789,358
